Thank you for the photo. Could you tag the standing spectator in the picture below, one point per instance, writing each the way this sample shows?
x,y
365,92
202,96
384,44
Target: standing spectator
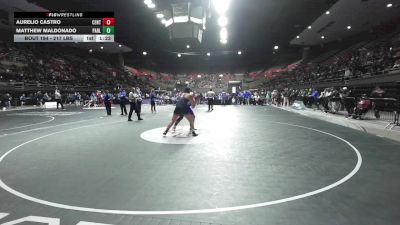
x,y
39,98
268,98
153,101
122,101
256,99
274,96
348,101
324,99
7,100
247,97
138,97
77,97
378,93
223,98
107,102
278,98
22,99
285,94
292,96
200,97
240,98
132,102
46,98
57,96
93,100
313,98
99,97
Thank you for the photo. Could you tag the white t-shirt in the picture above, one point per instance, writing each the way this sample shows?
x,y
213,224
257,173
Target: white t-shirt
x,y
347,73
210,94
137,96
57,95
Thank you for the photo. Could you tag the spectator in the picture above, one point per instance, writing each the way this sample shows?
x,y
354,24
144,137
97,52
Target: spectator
x,y
57,97
22,99
107,102
122,97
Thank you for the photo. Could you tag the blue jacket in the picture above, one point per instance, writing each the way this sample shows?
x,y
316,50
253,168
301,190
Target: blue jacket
x,y
152,96
107,97
315,94
122,95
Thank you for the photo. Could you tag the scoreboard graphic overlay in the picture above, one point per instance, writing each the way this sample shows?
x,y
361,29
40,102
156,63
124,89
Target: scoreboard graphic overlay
x,y
64,26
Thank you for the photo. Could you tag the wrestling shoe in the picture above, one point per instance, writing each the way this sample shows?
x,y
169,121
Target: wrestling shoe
x,y
194,134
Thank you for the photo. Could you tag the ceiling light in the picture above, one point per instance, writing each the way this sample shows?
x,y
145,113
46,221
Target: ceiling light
x,y
322,37
208,54
187,46
223,41
327,12
160,15
221,6
101,47
120,45
163,21
309,27
144,53
276,47
147,2
348,27
151,5
90,50
239,52
297,37
222,21
179,55
223,34
389,5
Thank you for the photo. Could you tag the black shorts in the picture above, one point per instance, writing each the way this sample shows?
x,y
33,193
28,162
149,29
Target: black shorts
x,y
153,103
210,101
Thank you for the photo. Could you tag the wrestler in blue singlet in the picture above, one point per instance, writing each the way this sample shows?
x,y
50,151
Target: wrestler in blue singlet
x,y
188,110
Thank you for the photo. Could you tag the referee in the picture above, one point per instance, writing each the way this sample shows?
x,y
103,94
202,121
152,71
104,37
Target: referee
x,y
210,99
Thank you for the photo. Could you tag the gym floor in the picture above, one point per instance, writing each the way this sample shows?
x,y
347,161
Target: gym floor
x,y
249,165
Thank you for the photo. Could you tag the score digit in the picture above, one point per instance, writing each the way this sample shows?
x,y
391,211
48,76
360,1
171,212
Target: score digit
x,y
108,21
108,30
